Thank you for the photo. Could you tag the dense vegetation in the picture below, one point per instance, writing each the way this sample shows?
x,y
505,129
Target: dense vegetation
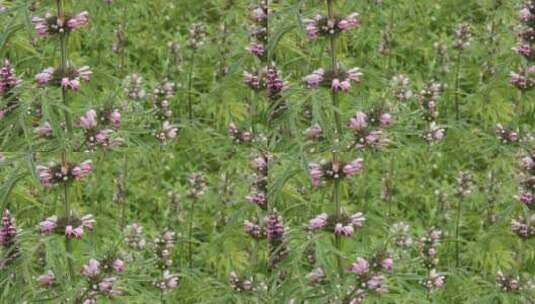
x,y
290,151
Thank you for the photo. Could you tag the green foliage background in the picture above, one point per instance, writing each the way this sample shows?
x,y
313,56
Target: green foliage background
x,y
418,170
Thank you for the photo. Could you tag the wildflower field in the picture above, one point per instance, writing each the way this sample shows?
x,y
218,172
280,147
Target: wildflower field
x,y
267,151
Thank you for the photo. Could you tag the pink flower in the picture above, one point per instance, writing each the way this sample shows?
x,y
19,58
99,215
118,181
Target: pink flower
x,y
388,264
74,233
118,265
46,280
44,131
314,132
314,80
73,84
45,176
354,75
88,222
89,120
358,122
47,226
84,73
169,130
103,137
360,267
528,163
256,49
315,172
41,27
342,230
45,77
318,223
78,21
377,284
350,22
336,85
386,120
525,15
92,269
357,220
106,287
354,167
83,170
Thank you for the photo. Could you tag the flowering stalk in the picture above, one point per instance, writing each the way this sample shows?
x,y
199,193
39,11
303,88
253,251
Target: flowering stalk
x,y
338,132
68,123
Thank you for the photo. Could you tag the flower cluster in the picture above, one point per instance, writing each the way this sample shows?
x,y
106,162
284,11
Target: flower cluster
x,y
101,279
47,279
464,184
524,227
133,87
134,236
240,284
463,35
524,78
370,276
197,36
401,88
343,225
258,194
166,133
506,136
276,236
337,81
266,79
55,174
428,247
8,79
368,128
163,247
239,136
51,25
512,284
259,15
428,101
72,227
198,185
8,230
161,96
401,235
334,170
527,180
68,79
99,128
254,230
321,26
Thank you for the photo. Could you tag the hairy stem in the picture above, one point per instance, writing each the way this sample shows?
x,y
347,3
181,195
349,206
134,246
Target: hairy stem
x,y
190,234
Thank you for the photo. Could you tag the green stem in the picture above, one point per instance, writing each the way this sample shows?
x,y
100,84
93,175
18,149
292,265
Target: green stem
x,y
68,123
190,85
457,79
338,132
457,233
190,234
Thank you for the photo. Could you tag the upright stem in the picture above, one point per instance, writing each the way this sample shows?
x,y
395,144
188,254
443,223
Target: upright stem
x,y
457,77
68,123
338,132
67,214
124,190
190,85
190,234
457,230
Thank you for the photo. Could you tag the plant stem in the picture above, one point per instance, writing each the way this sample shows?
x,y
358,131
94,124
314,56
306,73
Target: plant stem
x,y
457,78
190,85
68,123
190,234
124,191
457,230
338,132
